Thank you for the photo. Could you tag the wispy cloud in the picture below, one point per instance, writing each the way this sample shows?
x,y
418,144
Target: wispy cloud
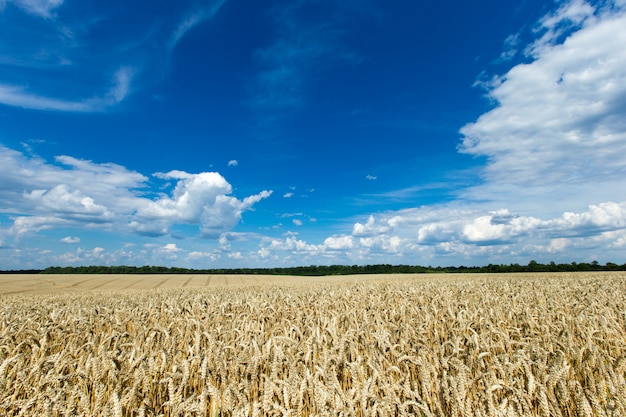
x,y
301,47
41,8
570,16
61,47
511,45
12,95
192,20
406,194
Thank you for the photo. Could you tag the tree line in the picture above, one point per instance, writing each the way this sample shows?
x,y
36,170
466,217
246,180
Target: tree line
x,y
319,270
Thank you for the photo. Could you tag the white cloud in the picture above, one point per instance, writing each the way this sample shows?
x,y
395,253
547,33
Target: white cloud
x,y
608,215
17,96
392,244
483,229
29,224
292,244
233,163
339,242
70,239
511,44
70,204
288,195
570,15
297,222
192,20
96,255
368,228
502,226
558,245
371,177
79,189
287,215
460,235
193,256
41,8
82,193
170,247
197,199
248,202
558,127
192,194
264,253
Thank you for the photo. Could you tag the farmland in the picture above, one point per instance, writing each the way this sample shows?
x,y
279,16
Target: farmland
x,y
207,345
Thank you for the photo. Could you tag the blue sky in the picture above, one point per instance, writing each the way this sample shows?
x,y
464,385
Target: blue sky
x,y
264,134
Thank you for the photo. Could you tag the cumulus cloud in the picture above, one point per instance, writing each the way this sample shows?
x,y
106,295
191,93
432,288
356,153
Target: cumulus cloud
x,y
339,242
72,189
459,234
292,244
170,247
71,204
504,227
196,199
70,239
82,193
197,255
192,194
233,163
482,229
368,228
557,125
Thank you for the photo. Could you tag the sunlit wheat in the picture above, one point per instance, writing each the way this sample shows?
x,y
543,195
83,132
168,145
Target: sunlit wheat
x,y
514,345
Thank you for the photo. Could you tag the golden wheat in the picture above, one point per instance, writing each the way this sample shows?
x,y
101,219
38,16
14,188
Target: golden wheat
x,y
513,345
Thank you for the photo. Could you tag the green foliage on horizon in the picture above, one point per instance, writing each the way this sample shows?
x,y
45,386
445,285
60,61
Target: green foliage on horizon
x,y
320,270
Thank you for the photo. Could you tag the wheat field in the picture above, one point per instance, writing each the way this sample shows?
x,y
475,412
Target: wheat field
x,y
406,345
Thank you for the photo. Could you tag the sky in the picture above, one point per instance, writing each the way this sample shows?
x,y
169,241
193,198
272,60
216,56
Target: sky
x,y
227,133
